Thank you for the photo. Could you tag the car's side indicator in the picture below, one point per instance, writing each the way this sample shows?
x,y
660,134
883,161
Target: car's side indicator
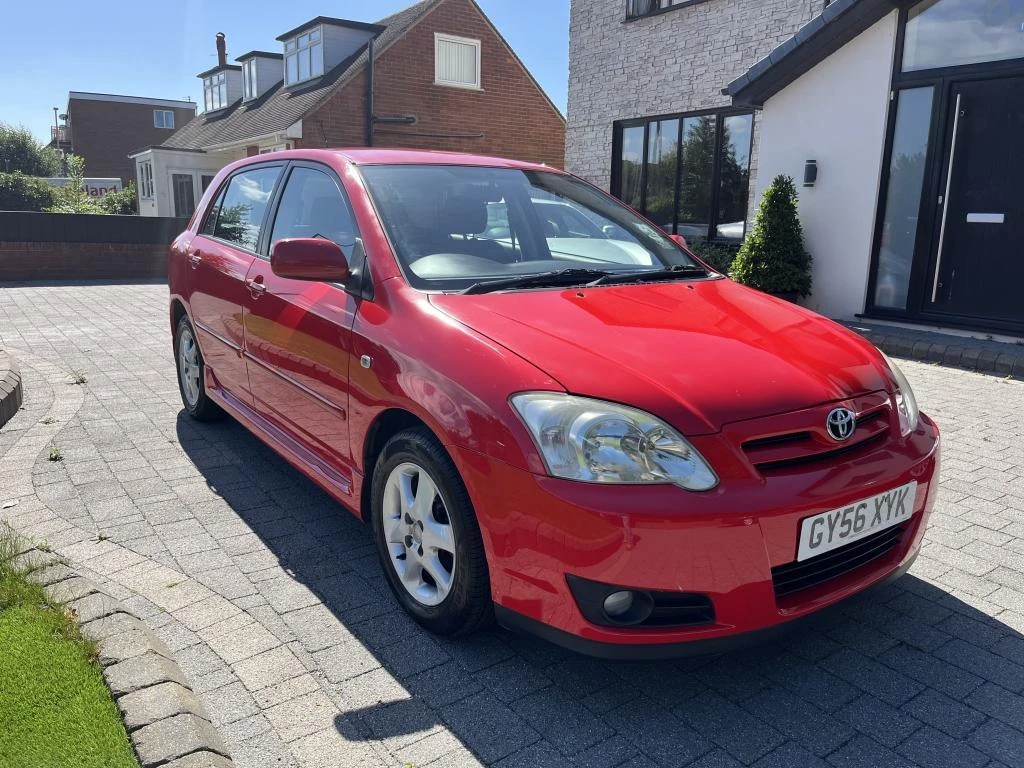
x,y
366,361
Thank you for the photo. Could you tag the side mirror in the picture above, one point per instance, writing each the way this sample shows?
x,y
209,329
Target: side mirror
x,y
679,240
309,258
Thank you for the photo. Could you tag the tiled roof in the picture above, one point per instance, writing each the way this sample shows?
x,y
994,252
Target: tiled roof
x,y
280,107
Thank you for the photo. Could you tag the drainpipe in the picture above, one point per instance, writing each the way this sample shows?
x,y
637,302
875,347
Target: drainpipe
x,y
369,93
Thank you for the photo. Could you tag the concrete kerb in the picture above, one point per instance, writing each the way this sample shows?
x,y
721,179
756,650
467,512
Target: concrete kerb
x,y
165,720
10,388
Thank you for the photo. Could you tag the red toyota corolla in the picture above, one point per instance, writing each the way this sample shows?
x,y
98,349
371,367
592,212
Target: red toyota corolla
x,y
545,408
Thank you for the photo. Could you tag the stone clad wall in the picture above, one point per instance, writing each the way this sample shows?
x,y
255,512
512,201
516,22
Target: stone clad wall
x,y
677,61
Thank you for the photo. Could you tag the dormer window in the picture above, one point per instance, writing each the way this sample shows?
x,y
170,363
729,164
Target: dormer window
x,y
215,91
249,89
303,57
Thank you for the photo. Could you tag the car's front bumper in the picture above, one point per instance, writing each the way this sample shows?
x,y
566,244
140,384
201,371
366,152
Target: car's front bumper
x,y
723,544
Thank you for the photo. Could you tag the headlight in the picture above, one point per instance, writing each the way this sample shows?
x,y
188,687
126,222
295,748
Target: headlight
x,y
906,403
599,442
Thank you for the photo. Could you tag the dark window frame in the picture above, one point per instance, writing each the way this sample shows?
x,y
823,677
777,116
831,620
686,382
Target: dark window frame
x,y
716,179
942,79
632,5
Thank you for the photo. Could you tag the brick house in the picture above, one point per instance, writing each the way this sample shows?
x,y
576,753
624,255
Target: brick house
x,y
443,78
900,118
103,128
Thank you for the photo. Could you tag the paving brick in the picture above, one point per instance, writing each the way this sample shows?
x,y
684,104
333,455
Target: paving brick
x,y
488,727
800,720
862,752
879,720
741,735
157,702
141,672
944,713
929,748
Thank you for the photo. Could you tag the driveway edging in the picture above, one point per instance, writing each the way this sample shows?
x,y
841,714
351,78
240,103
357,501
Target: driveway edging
x,y
10,388
165,721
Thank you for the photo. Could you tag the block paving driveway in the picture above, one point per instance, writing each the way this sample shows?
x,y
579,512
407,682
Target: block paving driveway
x,y
272,599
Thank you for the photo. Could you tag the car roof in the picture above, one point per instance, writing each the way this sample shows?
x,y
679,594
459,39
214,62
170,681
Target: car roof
x,y
387,156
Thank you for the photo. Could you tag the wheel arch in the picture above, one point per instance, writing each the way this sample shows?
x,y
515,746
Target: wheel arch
x,y
386,425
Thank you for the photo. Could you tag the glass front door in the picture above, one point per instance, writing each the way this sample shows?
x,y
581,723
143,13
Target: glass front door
x,y
184,194
978,270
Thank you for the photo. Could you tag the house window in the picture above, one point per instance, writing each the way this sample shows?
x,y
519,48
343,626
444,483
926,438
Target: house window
x,y
249,80
456,61
303,57
215,91
690,174
146,179
638,8
163,118
950,33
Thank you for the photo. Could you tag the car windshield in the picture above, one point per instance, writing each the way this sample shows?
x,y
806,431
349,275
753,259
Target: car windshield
x,y
457,226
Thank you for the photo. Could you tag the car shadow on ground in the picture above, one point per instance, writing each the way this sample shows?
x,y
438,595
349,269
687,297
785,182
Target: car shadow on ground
x,y
906,674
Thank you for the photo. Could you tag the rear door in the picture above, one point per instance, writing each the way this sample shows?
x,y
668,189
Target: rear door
x,y
219,259
298,332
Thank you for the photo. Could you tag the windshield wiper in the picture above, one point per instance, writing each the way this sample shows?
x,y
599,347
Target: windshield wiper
x,y
669,273
562,277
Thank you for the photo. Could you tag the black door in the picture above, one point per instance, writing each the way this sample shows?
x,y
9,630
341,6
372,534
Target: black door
x,y
184,194
979,269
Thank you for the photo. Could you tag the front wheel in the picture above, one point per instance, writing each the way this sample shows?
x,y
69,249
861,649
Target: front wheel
x,y
427,536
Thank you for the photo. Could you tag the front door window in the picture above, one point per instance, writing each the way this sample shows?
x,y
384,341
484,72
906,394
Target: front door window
x,y
903,197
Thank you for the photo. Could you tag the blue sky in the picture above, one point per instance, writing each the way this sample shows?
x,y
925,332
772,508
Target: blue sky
x,y
156,49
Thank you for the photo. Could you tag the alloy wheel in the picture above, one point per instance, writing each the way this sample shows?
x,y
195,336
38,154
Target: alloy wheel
x,y
189,366
419,534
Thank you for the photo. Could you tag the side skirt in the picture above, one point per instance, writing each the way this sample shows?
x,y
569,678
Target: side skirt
x,y
339,486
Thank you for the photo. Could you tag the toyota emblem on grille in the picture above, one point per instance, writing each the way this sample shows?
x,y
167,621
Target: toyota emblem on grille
x,y
841,423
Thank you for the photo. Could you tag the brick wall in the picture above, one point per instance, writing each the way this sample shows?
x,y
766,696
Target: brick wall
x,y
510,117
81,261
678,61
104,132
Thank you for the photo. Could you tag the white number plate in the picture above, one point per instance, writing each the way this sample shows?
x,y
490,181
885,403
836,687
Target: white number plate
x,y
834,529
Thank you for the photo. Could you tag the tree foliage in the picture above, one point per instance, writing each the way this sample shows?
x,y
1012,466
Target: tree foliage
x,y
19,192
20,152
122,202
72,197
773,258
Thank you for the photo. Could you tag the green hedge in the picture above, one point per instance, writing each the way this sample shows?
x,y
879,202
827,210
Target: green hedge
x,y
718,255
19,192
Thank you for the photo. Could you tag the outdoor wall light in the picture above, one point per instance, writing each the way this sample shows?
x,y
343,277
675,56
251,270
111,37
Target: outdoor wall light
x,y
810,173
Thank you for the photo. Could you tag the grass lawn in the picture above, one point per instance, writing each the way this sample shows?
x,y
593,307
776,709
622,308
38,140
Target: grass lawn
x,y
55,709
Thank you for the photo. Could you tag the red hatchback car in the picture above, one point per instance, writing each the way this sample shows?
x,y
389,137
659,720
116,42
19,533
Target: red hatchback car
x,y
547,409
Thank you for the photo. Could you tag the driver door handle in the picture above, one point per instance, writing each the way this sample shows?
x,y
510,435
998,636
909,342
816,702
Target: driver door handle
x,y
195,258
256,287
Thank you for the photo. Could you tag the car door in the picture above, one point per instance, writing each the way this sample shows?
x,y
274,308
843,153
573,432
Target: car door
x,y
220,257
298,332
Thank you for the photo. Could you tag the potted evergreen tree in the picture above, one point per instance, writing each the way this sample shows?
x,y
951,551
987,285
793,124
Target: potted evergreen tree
x,y
773,258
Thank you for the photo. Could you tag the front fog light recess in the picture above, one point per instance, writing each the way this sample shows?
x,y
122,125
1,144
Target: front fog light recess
x,y
628,607
600,442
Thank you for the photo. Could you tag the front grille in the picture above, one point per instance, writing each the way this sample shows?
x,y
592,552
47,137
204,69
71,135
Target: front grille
x,y
797,576
789,449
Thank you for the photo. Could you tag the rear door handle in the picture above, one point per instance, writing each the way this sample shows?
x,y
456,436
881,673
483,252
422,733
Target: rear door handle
x,y
194,258
256,287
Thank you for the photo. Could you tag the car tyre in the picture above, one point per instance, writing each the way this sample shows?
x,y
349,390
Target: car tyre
x,y
191,369
427,536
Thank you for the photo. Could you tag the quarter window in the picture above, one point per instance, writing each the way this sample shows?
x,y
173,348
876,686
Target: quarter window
x,y
215,91
312,205
456,61
243,205
304,57
163,118
690,174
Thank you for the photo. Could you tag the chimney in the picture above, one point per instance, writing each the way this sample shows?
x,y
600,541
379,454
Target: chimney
x,y
222,50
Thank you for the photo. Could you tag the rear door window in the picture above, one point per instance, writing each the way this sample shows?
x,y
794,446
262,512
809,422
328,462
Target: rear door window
x,y
243,206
